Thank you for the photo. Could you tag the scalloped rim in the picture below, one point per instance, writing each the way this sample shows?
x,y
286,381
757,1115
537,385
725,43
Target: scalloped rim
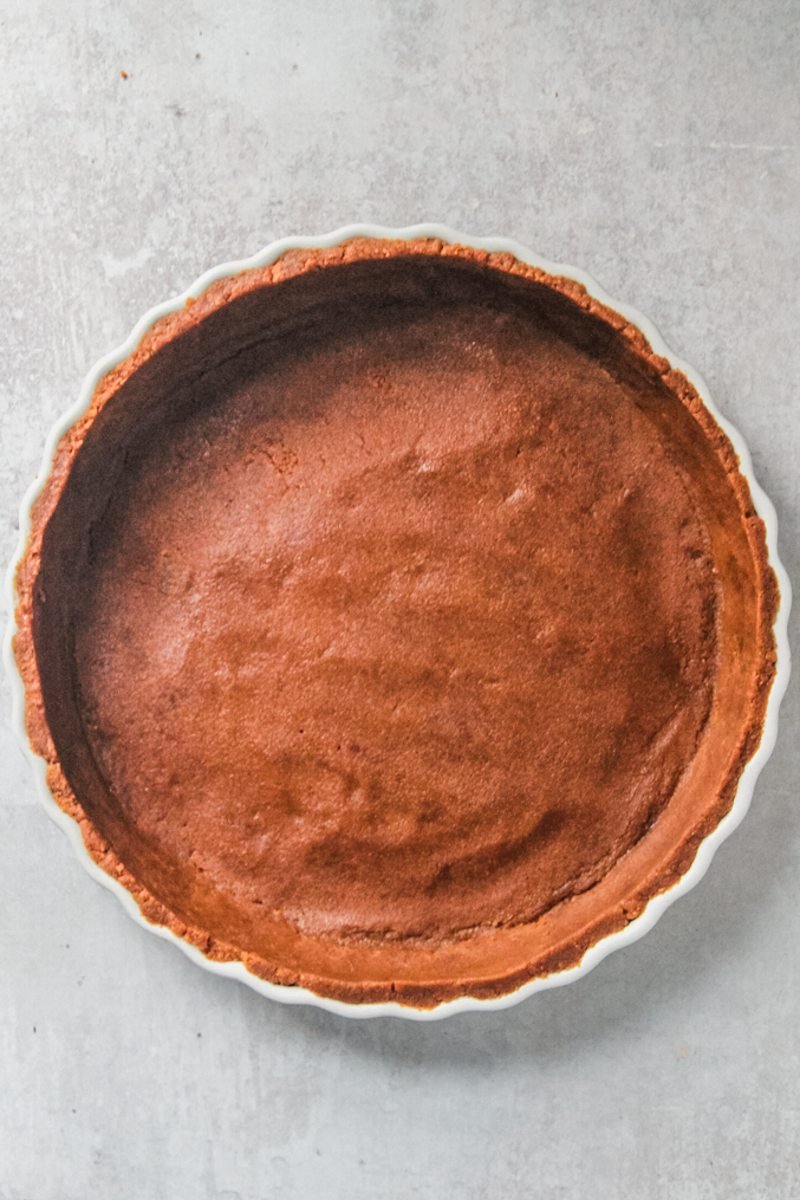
x,y
708,847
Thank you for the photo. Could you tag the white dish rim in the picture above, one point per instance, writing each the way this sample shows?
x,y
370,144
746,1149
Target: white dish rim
x,y
708,847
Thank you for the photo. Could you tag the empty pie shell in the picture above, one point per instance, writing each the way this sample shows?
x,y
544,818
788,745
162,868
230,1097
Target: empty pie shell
x,y
397,624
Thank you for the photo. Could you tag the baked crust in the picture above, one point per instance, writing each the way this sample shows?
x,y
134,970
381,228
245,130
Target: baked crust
x,y
353,963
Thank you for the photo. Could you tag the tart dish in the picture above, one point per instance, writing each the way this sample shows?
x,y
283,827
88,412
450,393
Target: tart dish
x,y
395,623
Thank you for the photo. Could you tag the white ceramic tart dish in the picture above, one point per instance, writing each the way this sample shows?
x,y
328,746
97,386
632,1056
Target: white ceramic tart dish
x,y
396,625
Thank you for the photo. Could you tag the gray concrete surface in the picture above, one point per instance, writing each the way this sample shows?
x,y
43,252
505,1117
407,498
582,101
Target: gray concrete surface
x,y
657,146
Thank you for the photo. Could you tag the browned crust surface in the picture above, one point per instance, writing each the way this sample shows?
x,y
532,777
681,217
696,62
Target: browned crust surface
x,y
598,924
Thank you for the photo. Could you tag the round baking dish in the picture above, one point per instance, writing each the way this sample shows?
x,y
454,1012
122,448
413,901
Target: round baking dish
x,y
459,977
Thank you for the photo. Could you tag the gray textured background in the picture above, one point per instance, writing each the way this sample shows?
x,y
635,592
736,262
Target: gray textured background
x,y
656,145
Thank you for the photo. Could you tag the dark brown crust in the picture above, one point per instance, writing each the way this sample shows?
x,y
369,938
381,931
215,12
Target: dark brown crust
x,y
429,993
